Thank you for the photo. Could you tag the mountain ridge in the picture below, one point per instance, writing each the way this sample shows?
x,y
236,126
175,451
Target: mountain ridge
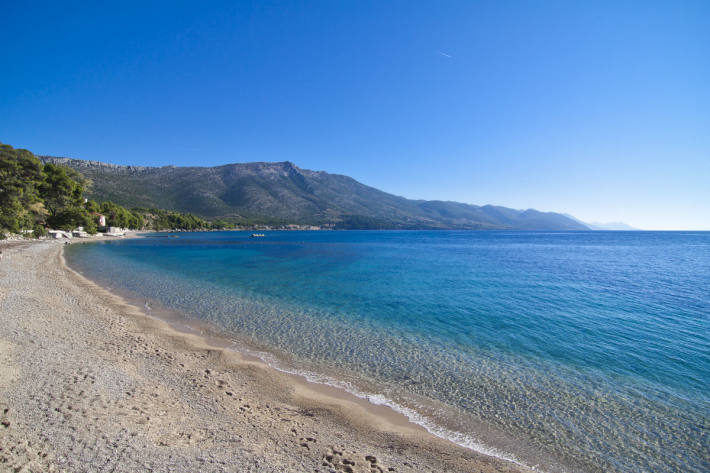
x,y
284,192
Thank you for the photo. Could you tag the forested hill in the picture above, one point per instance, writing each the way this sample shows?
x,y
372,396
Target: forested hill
x,y
282,192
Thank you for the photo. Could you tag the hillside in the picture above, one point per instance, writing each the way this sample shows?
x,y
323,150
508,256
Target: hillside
x,y
286,193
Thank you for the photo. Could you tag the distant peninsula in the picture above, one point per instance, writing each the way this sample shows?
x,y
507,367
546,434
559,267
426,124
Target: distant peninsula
x,y
281,194
614,226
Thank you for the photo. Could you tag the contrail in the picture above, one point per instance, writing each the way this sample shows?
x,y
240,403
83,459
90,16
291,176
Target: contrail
x,y
445,55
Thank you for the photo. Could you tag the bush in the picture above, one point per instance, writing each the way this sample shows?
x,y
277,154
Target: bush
x,y
39,231
90,226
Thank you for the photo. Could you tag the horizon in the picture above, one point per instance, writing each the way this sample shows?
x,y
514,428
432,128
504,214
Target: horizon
x,y
597,111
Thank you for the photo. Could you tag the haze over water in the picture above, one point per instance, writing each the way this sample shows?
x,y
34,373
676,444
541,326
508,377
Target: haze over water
x,y
581,351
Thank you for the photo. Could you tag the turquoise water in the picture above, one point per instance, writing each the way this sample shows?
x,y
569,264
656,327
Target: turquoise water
x,y
580,351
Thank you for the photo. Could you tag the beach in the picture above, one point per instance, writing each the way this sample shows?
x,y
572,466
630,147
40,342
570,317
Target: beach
x,y
89,382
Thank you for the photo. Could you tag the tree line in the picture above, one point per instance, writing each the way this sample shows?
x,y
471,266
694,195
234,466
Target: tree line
x,y
36,196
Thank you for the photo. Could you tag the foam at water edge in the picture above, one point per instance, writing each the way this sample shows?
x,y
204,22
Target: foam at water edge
x,y
460,439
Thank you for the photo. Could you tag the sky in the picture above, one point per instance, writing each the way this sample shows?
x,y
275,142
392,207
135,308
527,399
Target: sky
x,y
599,109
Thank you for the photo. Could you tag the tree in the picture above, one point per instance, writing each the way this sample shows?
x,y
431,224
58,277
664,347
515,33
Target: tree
x,y
92,206
20,178
39,231
59,190
62,192
117,216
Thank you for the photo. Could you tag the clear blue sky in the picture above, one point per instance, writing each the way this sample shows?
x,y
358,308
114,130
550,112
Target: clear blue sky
x,y
600,109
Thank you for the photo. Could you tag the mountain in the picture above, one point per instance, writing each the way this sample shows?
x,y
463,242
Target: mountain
x,y
610,226
283,192
615,226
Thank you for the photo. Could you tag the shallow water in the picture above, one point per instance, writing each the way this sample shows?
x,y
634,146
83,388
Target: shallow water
x,y
580,351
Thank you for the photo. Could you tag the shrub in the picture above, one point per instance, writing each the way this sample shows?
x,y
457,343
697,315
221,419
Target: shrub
x,y
39,231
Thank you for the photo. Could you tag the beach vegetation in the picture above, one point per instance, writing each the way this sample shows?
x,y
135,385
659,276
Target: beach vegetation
x,y
62,192
20,178
159,219
38,231
118,216
93,207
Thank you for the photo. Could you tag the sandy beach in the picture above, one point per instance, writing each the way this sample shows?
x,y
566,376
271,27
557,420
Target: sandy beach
x,y
88,382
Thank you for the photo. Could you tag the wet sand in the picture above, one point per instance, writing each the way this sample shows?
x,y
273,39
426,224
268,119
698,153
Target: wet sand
x,y
88,382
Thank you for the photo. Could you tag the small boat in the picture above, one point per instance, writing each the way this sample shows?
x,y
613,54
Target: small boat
x,y
257,235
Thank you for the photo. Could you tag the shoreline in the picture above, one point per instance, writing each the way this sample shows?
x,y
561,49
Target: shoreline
x,y
382,411
311,389
341,431
314,385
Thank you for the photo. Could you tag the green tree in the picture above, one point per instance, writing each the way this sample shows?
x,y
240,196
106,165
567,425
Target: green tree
x,y
117,216
20,178
63,194
92,206
39,231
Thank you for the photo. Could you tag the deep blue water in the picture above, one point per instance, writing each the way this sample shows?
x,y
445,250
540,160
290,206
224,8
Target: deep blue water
x,y
575,351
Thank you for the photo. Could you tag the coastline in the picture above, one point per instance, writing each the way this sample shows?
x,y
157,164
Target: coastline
x,y
87,374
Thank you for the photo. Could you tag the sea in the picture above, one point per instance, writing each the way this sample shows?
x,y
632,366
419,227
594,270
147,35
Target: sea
x,y
562,351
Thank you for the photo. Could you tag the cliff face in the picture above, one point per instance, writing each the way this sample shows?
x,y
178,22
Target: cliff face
x,y
286,192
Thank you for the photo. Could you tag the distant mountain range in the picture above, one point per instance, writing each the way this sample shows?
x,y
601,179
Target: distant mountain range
x,y
610,226
284,193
